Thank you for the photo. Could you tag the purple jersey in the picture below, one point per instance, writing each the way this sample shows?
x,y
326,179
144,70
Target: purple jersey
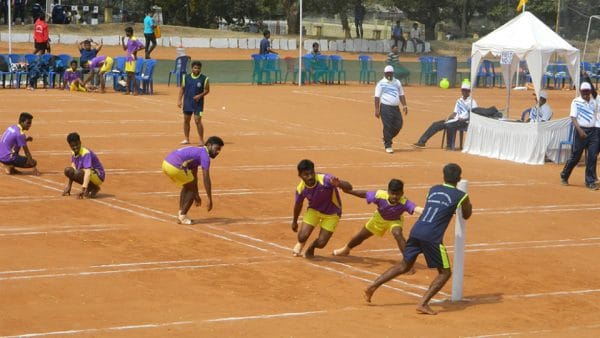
x,y
389,212
133,45
70,76
322,197
87,159
189,158
95,62
13,139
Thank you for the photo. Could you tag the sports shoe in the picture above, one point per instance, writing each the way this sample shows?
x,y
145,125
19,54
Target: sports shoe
x,y
419,145
297,250
389,150
564,182
93,191
183,219
345,251
184,142
592,186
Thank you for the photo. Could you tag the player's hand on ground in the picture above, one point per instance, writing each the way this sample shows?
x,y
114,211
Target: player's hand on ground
x,y
82,194
295,226
67,191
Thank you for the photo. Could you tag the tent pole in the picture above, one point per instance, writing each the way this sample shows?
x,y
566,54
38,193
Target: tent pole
x,y
300,50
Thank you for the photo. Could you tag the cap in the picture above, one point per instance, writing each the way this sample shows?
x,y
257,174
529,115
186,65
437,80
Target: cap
x,y
388,69
465,85
585,86
543,94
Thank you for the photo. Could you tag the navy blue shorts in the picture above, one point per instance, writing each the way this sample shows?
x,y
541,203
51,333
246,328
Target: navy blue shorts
x,y
19,162
435,253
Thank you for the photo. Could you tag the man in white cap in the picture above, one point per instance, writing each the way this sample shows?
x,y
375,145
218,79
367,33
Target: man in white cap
x,y
388,96
585,118
459,119
540,112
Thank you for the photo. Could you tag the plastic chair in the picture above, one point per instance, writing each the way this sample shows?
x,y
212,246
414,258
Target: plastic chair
x,y
321,68
486,71
65,59
561,74
271,64
146,78
257,62
5,62
17,73
366,69
461,134
337,68
180,69
428,71
291,65
118,70
567,142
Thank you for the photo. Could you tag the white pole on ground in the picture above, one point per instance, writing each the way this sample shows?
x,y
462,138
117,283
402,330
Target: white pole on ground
x,y
9,27
459,249
300,50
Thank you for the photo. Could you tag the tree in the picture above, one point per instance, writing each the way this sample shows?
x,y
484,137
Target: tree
x,y
428,12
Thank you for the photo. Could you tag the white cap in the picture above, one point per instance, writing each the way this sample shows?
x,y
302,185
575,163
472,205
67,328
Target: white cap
x,y
388,69
543,94
465,85
585,86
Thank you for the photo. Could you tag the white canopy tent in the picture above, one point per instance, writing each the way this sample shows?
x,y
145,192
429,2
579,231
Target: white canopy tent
x,y
527,38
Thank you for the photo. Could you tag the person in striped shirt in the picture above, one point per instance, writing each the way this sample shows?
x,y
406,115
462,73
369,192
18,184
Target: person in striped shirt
x,y
457,120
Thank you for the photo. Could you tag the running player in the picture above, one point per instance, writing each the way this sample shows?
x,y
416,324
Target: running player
x,y
85,169
12,141
391,204
324,207
427,235
181,166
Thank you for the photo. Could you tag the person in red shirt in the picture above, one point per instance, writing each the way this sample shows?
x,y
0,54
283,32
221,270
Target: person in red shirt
x,y
41,39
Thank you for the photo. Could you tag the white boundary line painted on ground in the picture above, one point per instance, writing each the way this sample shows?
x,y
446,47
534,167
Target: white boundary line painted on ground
x,y
55,232
538,332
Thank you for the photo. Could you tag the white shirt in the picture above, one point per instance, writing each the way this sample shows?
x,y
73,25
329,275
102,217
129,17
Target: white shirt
x,y
540,114
586,112
389,92
415,33
462,109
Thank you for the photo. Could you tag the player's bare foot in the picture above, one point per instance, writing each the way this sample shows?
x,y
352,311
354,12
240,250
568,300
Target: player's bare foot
x,y
93,191
345,251
367,294
426,310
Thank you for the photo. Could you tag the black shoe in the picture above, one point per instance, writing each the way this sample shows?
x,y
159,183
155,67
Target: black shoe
x,y
564,181
419,145
592,186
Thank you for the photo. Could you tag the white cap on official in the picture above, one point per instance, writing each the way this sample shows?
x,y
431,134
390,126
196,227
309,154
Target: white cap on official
x,y
465,85
585,86
388,69
543,94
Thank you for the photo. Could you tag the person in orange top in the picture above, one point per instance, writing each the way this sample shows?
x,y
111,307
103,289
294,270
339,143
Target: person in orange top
x,y
41,36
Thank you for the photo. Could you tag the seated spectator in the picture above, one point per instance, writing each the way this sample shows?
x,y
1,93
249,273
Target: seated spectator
x,y
315,49
415,38
87,52
73,79
540,112
398,35
457,120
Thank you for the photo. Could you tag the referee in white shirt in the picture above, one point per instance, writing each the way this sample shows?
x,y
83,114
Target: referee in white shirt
x,y
388,96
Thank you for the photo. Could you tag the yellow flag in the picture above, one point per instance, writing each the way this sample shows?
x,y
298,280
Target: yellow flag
x,y
521,4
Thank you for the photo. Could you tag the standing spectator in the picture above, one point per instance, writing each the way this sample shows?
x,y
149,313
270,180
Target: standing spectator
x,y
4,11
585,119
398,35
86,52
58,13
457,120
85,169
36,11
19,10
359,16
415,37
149,26
41,36
265,44
427,235
132,46
12,141
388,96
194,88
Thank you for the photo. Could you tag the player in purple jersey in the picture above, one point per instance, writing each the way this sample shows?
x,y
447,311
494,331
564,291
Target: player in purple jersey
x,y
182,165
427,234
391,204
324,207
132,46
12,141
85,169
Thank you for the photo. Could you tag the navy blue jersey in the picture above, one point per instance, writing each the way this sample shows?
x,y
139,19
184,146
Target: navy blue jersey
x,y
192,87
442,202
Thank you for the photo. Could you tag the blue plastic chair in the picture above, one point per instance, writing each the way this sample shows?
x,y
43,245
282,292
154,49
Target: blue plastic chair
x,y
486,71
428,70
5,60
567,142
17,74
146,77
561,75
366,69
337,68
65,59
180,69
257,63
118,70
271,64
321,68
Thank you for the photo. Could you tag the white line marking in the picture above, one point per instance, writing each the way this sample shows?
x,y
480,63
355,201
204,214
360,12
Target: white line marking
x,y
53,232
538,332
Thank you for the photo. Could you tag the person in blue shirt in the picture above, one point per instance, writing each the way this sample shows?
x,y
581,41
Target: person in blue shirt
x,y
427,236
194,88
87,53
265,44
398,35
149,26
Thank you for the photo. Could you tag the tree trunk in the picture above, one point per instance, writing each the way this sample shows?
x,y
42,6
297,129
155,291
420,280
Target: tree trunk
x,y
293,17
345,24
463,21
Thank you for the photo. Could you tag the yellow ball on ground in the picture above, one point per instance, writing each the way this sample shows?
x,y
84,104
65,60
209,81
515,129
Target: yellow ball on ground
x,y
444,83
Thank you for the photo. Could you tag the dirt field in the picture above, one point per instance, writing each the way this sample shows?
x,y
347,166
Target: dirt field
x,y
120,266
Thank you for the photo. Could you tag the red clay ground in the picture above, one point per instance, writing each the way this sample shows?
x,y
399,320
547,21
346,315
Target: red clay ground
x,y
120,266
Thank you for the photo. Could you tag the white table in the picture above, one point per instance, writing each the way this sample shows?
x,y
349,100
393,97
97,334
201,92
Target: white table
x,y
520,142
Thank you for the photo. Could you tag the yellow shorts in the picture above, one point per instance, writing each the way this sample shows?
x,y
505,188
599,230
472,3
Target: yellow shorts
x,y
107,66
94,178
179,176
74,87
378,226
130,66
314,218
